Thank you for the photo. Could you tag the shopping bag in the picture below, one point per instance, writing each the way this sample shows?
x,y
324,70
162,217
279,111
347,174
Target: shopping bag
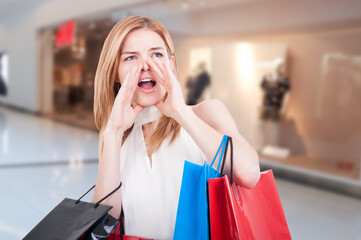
x,y
240,213
74,219
192,213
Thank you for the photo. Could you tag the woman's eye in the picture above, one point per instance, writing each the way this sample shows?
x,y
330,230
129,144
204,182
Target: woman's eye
x,y
158,55
129,58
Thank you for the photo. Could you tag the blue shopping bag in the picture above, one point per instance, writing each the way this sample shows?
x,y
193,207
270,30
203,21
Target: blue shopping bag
x,y
192,220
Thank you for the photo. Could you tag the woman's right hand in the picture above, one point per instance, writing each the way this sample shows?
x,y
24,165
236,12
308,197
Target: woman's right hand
x,y
123,114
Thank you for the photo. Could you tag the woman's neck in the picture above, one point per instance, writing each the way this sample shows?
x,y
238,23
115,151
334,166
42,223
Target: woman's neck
x,y
148,129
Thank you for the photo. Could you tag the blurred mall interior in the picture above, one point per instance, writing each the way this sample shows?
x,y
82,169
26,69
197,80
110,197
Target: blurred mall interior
x,y
288,71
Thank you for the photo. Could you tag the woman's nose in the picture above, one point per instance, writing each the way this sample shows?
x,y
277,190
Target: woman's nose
x,y
145,65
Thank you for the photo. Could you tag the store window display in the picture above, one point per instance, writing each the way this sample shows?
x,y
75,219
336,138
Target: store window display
x,y
275,86
74,71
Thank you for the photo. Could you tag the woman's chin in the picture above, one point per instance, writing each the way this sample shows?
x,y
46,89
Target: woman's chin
x,y
148,102
148,105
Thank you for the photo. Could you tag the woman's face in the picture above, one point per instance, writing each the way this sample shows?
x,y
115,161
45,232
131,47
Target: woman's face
x,y
140,46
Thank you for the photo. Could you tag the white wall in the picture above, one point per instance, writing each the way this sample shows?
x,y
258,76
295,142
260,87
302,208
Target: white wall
x,y
2,36
18,40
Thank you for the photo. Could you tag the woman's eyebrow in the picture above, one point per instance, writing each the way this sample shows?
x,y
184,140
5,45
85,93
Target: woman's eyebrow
x,y
151,49
129,52
156,48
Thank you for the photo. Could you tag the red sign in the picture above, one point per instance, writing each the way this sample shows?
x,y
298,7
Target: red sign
x,y
65,34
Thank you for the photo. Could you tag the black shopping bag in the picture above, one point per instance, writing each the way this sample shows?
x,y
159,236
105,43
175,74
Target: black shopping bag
x,y
74,220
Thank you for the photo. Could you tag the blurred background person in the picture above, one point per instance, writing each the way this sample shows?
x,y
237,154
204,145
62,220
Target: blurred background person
x,y
3,87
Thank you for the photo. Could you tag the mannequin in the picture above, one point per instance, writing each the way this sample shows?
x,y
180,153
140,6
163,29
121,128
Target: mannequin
x,y
197,83
275,100
275,86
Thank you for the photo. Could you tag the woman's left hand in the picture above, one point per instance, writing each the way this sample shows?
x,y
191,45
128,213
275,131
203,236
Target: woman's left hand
x,y
174,103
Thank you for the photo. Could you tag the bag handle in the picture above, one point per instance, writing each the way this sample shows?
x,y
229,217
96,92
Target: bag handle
x,y
229,140
97,204
224,146
224,157
221,146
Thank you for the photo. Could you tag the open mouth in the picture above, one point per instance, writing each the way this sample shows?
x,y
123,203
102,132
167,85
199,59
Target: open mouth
x,y
147,84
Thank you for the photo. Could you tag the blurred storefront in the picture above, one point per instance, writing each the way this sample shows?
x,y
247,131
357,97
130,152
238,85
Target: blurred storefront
x,y
293,91
74,48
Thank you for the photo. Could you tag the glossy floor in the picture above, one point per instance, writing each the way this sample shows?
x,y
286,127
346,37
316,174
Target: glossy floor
x,y
25,140
41,162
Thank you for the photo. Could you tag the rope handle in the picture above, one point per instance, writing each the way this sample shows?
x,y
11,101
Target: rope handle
x,y
97,204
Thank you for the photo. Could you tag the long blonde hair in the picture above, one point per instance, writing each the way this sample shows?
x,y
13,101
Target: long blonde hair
x,y
106,85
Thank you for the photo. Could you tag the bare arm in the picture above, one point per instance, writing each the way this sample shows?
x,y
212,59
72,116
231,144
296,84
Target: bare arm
x,y
109,171
207,122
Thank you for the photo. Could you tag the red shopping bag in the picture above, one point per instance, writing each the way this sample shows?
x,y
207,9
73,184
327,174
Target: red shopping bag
x,y
240,213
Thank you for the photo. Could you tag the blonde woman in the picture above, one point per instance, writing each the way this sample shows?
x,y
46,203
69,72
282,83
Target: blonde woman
x,y
147,131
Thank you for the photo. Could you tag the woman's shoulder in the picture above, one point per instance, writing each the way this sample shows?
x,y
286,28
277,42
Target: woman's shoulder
x,y
209,105
208,109
215,113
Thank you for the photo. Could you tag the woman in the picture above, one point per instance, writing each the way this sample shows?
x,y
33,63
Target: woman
x,y
147,131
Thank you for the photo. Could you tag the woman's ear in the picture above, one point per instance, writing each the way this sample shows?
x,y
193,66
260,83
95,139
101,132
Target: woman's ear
x,y
172,63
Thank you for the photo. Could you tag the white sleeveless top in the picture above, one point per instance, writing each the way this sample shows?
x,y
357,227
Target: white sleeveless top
x,y
150,193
